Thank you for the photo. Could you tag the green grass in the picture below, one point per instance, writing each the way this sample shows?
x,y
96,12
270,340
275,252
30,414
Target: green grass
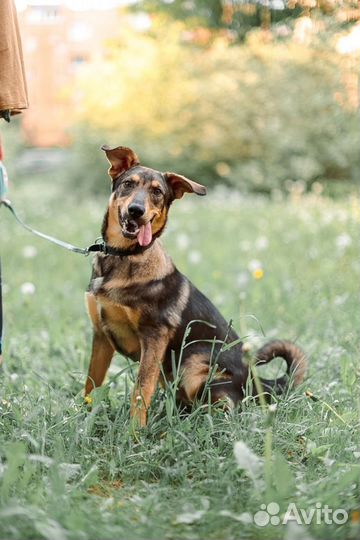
x,y
68,473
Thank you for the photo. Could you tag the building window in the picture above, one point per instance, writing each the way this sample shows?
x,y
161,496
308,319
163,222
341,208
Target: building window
x,y
43,14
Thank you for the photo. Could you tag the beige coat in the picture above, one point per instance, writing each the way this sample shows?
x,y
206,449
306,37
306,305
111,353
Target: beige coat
x,y
13,91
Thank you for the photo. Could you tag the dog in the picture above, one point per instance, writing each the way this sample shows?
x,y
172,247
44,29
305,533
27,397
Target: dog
x,y
141,305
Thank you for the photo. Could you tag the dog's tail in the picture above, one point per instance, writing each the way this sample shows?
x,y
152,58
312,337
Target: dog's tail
x,y
295,360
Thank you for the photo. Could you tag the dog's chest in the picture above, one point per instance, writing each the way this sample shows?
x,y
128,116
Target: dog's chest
x,y
118,320
127,295
121,325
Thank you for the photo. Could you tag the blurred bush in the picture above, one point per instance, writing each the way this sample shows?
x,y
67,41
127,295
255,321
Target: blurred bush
x,y
256,116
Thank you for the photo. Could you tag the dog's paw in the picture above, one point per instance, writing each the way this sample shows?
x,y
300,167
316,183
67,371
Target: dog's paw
x,y
138,412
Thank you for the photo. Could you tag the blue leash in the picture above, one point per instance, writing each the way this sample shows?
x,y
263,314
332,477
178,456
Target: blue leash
x,y
65,245
98,246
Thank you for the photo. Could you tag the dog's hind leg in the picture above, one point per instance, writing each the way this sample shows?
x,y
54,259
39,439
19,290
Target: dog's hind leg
x,y
198,382
194,375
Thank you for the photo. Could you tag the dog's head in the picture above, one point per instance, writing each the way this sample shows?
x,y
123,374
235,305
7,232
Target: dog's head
x,y
140,199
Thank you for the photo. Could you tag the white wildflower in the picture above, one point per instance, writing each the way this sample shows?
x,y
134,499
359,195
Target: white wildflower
x,y
182,241
194,257
29,252
261,243
27,288
247,460
254,265
343,241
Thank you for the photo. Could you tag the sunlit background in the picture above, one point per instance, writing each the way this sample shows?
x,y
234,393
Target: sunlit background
x,y
255,94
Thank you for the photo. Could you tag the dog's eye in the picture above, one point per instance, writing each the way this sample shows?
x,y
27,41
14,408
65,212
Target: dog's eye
x,y
128,184
157,192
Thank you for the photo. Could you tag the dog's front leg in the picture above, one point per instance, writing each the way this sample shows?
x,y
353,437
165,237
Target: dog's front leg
x,y
102,353
152,355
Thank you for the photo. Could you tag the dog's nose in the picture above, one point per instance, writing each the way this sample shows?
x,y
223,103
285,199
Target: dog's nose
x,y
136,210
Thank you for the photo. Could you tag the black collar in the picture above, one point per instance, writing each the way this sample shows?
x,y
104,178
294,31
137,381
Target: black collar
x,y
104,248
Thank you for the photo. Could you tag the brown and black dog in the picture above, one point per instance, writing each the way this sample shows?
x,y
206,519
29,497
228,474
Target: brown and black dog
x,y
140,304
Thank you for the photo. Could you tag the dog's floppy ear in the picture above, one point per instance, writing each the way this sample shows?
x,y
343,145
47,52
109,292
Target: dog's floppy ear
x,y
120,159
181,185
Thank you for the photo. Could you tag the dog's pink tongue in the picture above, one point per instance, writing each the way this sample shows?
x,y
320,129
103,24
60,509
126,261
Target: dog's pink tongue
x,y
145,235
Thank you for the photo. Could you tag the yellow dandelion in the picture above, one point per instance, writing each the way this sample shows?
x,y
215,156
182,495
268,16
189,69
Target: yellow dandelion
x,y
258,273
88,400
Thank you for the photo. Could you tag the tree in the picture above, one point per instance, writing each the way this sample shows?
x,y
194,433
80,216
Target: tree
x,y
255,115
240,16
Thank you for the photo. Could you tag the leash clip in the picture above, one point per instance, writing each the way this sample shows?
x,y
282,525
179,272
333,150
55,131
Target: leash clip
x,y
101,242
102,245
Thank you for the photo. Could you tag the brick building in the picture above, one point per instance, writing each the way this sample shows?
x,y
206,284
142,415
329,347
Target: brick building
x,y
58,40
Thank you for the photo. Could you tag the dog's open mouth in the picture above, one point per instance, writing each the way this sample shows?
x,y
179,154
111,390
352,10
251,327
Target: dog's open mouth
x,y
131,229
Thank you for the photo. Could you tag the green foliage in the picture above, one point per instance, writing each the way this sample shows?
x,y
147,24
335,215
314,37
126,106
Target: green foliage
x,y
86,167
68,473
241,16
207,13
254,116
